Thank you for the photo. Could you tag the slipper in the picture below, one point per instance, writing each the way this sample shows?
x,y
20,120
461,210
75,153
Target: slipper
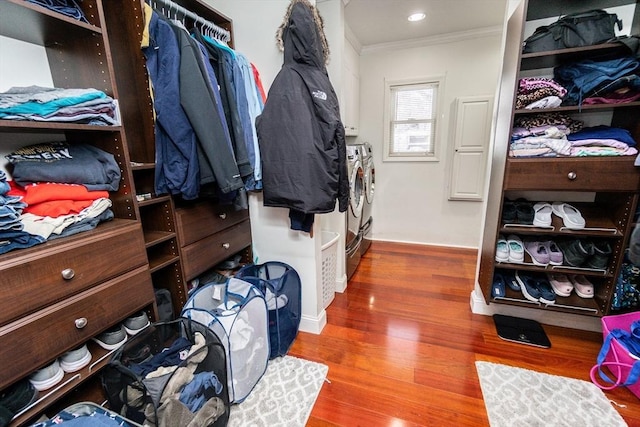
x,y
583,287
516,249
542,214
561,284
547,295
571,217
502,250
510,280
524,212
555,254
528,286
498,289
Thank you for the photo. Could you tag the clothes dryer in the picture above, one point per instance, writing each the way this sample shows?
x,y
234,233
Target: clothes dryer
x,y
354,212
369,181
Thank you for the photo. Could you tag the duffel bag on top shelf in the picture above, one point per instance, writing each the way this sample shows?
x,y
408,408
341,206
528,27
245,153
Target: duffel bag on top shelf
x,y
574,30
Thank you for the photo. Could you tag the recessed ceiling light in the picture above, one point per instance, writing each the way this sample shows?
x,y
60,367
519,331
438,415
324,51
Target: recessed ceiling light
x,y
416,17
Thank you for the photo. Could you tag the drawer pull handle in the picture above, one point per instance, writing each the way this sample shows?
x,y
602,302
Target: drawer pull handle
x,y
226,245
68,273
81,322
223,215
572,175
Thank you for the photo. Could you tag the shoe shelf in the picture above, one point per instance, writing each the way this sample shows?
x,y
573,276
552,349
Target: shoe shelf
x,y
572,304
550,59
605,190
99,358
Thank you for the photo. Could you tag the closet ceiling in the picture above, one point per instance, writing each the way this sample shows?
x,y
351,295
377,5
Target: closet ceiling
x,y
385,21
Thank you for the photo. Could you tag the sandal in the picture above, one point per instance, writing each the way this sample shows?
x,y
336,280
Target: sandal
x,y
542,215
583,287
561,284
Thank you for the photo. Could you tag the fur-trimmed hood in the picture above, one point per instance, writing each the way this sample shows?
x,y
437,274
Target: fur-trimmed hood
x,y
301,35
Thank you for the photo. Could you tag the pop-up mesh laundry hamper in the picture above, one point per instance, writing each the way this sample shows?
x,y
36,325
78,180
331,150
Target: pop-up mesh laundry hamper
x,y
236,312
281,286
170,374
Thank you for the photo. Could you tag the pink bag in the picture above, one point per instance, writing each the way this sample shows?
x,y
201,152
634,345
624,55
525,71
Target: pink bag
x,y
619,361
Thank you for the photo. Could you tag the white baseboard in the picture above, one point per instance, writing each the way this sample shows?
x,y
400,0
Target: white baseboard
x,y
341,283
565,320
313,325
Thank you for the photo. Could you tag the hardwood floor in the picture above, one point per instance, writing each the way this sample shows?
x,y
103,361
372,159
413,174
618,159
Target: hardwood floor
x,y
401,343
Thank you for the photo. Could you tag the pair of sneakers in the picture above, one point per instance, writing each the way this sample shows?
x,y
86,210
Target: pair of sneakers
x,y
544,253
510,249
536,288
52,374
114,337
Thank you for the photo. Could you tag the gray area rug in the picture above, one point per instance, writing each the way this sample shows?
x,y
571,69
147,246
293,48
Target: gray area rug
x,y
521,397
284,396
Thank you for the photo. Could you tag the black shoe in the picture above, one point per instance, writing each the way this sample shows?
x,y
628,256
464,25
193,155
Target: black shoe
x,y
576,252
509,212
600,258
524,212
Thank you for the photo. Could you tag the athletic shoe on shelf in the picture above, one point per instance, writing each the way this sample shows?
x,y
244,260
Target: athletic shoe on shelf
x,y
136,323
47,377
516,249
502,250
112,338
538,252
555,254
600,258
75,360
528,286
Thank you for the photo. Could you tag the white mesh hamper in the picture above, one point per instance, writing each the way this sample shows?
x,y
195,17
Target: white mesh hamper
x,y
236,312
329,266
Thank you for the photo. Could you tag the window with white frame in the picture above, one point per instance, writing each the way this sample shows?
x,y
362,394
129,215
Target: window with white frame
x,y
411,113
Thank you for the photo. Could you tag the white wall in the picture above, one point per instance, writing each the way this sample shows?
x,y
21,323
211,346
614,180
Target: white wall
x,y
411,197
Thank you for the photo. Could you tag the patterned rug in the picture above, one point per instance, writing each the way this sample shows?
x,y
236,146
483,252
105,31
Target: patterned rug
x,y
520,397
284,396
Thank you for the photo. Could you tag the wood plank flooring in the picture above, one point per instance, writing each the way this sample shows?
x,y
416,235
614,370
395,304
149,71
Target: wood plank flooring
x,y
401,343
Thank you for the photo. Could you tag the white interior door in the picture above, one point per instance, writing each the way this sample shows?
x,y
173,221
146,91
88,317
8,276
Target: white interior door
x,y
472,130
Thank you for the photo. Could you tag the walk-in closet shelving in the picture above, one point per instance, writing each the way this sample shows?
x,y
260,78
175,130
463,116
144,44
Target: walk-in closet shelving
x,y
604,189
59,294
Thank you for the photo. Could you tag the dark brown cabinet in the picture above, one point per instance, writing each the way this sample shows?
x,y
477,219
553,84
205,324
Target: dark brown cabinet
x,y
604,189
57,295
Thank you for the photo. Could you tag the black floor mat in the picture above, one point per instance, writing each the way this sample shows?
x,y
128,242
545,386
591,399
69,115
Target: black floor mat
x,y
523,331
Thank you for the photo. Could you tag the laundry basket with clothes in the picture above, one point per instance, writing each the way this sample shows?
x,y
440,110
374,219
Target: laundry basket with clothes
x,y
170,374
236,312
281,286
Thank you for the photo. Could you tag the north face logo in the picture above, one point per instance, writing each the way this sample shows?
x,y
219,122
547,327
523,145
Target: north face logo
x,y
320,94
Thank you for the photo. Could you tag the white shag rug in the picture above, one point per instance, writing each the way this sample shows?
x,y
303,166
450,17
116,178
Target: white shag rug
x,y
521,397
284,396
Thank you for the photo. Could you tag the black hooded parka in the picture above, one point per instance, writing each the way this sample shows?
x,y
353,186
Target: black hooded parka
x,y
301,137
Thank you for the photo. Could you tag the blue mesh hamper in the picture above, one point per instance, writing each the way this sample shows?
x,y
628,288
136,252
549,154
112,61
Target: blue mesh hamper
x,y
281,286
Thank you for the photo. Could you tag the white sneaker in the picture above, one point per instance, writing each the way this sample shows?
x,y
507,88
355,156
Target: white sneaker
x,y
47,377
75,360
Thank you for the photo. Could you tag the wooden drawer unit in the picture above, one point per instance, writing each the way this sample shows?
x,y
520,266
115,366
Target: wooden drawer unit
x,y
205,218
205,253
39,278
58,328
572,174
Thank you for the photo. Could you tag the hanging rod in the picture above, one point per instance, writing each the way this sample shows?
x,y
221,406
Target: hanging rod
x,y
219,32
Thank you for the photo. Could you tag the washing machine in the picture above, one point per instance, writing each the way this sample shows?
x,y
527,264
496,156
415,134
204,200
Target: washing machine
x,y
369,180
354,212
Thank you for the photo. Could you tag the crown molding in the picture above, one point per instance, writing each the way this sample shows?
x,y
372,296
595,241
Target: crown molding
x,y
438,39
351,38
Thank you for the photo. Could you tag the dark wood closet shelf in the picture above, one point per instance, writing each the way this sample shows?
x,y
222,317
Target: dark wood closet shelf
x,y
576,108
530,266
142,166
160,262
572,304
99,358
38,25
550,59
152,238
31,126
154,200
